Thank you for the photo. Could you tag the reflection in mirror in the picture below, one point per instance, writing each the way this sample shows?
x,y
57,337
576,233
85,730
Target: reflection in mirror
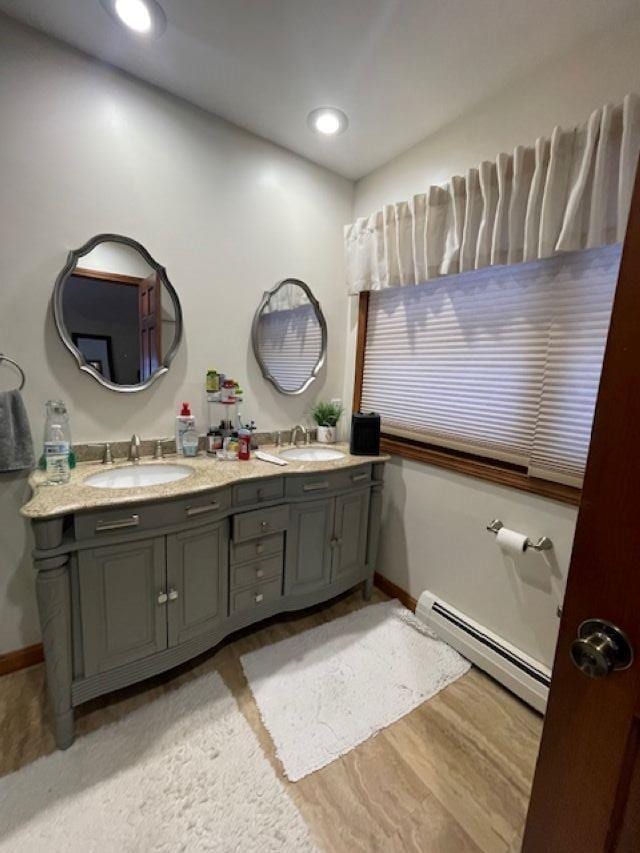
x,y
117,312
290,336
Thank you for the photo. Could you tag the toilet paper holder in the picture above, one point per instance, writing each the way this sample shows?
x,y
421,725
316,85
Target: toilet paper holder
x,y
543,544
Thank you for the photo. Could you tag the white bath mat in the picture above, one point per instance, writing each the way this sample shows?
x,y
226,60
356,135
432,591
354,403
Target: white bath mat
x,y
184,773
323,692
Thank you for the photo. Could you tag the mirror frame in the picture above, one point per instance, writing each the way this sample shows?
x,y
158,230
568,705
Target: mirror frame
x,y
323,327
72,259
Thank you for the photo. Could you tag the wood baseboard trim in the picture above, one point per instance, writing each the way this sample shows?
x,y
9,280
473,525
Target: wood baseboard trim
x,y
394,591
21,658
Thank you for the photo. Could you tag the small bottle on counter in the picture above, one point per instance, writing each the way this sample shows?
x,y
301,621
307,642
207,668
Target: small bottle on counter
x,y
244,444
214,441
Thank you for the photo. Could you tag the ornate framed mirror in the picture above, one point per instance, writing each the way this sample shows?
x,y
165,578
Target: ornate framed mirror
x,y
117,312
289,336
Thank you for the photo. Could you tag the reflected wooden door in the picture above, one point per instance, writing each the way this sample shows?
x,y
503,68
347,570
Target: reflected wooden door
x,y
150,325
586,792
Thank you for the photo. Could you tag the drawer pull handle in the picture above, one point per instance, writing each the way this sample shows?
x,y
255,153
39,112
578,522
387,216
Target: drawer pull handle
x,y
162,597
200,510
264,524
259,573
315,487
132,521
259,549
173,594
356,478
258,597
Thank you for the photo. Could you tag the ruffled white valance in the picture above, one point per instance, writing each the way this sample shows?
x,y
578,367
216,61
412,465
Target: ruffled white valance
x,y
570,192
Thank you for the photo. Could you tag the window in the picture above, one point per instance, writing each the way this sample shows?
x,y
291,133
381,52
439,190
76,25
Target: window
x,y
501,363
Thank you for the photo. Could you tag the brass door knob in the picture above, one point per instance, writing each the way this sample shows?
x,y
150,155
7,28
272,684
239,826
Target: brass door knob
x,y
600,649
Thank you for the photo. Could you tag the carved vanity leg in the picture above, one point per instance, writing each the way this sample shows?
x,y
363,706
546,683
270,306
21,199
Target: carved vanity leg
x,y
54,605
375,514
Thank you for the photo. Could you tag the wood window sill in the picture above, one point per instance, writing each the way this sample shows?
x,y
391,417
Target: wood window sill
x,y
482,469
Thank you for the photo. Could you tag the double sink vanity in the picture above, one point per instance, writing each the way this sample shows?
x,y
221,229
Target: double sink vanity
x,y
140,567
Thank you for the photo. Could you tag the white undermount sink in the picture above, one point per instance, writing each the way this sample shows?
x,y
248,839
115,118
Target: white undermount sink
x,y
138,476
311,454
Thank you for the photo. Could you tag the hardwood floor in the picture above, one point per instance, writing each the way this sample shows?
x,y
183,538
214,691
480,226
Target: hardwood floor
x,y
454,775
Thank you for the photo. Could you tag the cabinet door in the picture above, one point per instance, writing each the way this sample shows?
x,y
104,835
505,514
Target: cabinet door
x,y
123,618
308,563
350,534
197,571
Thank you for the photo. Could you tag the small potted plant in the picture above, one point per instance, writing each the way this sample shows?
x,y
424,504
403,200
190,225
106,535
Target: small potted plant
x,y
326,416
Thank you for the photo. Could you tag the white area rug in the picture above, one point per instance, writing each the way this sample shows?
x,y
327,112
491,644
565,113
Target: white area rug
x,y
184,773
323,692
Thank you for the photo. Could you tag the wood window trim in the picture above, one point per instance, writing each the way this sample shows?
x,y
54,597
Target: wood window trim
x,y
490,470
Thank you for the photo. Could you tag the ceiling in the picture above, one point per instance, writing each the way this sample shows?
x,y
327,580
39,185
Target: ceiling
x,y
400,69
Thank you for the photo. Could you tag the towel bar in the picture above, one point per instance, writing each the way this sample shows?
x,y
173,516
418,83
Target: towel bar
x,y
12,361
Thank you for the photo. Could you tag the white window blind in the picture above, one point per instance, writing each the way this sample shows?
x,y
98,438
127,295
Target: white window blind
x,y
503,362
290,344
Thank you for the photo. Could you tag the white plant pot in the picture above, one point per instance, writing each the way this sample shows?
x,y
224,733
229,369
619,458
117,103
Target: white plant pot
x,y
326,435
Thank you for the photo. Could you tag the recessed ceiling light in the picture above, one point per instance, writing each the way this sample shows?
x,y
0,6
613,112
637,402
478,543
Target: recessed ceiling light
x,y
144,17
327,120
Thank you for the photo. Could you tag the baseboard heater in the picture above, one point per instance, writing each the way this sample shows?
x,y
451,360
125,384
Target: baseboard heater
x,y
524,676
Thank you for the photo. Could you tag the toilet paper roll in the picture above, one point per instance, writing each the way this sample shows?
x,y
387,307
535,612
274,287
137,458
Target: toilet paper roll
x,y
510,542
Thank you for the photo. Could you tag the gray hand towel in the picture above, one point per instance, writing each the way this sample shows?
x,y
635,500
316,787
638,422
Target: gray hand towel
x,y
16,445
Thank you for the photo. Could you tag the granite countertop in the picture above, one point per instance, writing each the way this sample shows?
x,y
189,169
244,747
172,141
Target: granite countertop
x,y
208,473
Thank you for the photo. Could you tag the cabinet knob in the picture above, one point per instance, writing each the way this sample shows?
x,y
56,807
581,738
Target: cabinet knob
x,y
259,573
173,594
258,597
162,597
259,549
264,524
260,494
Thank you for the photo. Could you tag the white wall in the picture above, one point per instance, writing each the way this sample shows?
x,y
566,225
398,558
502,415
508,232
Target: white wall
x,y
434,533
85,149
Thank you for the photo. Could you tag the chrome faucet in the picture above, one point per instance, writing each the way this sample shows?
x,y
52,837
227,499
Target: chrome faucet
x,y
294,433
134,448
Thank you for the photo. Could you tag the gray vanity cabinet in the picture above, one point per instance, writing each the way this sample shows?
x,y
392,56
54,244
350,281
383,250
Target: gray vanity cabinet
x,y
197,571
122,619
308,562
350,534
127,592
327,541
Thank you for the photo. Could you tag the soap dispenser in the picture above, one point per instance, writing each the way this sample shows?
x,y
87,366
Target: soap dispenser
x,y
184,421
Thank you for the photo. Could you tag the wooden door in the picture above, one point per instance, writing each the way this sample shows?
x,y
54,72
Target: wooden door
x,y
308,561
586,792
150,325
124,614
197,571
350,534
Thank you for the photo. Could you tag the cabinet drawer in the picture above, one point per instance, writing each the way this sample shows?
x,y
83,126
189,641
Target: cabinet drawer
x,y
315,485
255,597
259,571
245,494
241,552
112,521
250,525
